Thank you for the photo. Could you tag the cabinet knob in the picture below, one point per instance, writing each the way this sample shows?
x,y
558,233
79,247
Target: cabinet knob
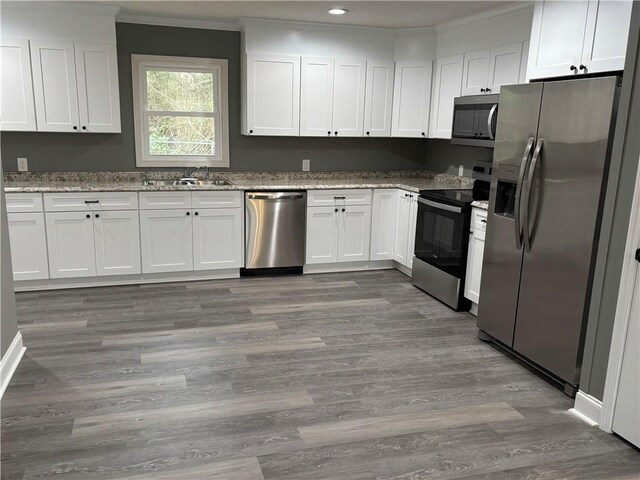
x,y
482,90
424,134
88,216
250,131
583,67
195,213
75,127
344,209
97,215
84,128
335,133
406,194
336,210
329,132
368,133
573,68
188,213
488,90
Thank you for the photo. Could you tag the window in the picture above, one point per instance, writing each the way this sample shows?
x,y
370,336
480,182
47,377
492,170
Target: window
x,y
180,111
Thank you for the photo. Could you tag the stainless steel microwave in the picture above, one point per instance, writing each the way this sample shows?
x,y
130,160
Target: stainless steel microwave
x,y
474,120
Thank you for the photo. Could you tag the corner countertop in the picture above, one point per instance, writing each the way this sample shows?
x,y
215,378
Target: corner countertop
x,y
51,182
482,204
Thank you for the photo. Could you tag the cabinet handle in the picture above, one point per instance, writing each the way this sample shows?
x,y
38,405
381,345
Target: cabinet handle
x,y
188,213
573,68
88,216
75,127
583,67
471,232
92,201
97,215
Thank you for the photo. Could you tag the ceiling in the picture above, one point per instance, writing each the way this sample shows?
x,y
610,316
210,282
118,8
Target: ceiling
x,y
390,14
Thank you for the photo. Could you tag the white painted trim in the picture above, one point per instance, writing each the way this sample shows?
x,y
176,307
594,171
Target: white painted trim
x,y
493,14
587,408
318,26
402,268
474,309
179,22
87,8
348,266
62,283
623,314
10,362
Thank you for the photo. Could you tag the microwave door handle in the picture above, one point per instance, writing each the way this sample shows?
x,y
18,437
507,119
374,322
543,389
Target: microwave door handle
x,y
490,121
516,214
441,206
526,234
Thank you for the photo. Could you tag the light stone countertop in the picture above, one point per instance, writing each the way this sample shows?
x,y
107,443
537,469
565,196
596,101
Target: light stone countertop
x,y
483,204
413,181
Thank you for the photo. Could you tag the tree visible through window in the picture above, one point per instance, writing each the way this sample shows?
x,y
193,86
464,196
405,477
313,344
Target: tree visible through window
x,y
181,111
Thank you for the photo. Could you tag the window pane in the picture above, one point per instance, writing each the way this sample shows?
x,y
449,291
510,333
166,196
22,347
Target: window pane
x,y
181,135
180,91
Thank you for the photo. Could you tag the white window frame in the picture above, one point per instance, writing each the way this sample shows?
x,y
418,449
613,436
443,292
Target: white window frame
x,y
140,64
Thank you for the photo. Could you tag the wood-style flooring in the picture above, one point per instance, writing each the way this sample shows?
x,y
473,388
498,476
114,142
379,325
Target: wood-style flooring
x,y
336,376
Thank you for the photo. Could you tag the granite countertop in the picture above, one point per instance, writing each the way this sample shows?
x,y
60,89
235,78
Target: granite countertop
x,y
414,181
483,204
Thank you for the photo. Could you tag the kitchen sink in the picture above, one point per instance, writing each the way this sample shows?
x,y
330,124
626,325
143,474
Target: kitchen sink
x,y
189,182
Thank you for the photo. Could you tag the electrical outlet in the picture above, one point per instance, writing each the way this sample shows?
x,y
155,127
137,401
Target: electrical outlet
x,y
306,165
23,166
461,170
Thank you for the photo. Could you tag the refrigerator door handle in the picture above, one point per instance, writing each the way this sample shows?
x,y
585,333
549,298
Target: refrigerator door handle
x,y
532,170
517,211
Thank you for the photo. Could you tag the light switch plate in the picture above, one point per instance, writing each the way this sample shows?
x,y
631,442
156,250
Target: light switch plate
x,y
306,164
23,166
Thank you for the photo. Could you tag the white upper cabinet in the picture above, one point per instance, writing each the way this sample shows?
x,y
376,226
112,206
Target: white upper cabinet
x,y
316,97
475,72
17,111
504,67
272,100
606,34
55,88
447,86
578,37
348,97
75,87
378,99
411,98
98,97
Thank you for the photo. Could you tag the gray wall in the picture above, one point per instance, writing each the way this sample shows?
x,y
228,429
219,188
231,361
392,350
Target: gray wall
x,y
615,224
8,319
116,152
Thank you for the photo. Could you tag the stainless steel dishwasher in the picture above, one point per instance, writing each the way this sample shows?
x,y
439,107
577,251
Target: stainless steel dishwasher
x,y
275,226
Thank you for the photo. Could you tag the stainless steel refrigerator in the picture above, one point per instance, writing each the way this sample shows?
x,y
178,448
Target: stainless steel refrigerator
x,y
551,155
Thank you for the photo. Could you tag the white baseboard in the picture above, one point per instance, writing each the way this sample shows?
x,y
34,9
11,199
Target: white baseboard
x,y
587,408
402,268
348,266
10,362
474,309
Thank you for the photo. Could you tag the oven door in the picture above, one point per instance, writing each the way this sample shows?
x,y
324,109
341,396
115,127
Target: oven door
x,y
441,235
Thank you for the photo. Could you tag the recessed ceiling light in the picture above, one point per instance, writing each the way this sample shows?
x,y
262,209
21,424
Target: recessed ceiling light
x,y
337,11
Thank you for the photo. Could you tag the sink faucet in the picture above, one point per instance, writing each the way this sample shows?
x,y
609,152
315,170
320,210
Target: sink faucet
x,y
190,171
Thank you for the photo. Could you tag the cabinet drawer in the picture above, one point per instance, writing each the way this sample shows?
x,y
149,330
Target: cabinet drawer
x,y
217,199
74,202
164,200
24,202
478,219
325,198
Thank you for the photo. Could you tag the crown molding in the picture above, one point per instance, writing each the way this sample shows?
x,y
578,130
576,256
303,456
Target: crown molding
x,y
495,13
179,22
85,8
314,25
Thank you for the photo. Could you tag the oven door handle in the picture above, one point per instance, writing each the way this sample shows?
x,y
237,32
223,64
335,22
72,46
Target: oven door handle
x,y
441,206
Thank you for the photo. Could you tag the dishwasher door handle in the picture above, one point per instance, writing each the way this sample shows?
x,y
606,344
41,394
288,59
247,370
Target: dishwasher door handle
x,y
275,196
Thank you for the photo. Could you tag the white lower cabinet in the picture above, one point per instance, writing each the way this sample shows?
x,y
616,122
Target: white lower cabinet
x,y
475,256
117,242
70,242
405,230
28,246
167,240
322,235
354,233
217,238
383,224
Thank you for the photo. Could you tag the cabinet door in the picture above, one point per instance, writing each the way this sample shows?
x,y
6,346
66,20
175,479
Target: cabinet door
x,y
117,239
273,95
70,244
475,72
348,97
413,221
504,66
16,87
322,235
316,103
557,35
474,266
28,246
378,99
98,97
54,84
354,233
217,238
448,84
167,240
401,243
605,39
383,224
411,98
